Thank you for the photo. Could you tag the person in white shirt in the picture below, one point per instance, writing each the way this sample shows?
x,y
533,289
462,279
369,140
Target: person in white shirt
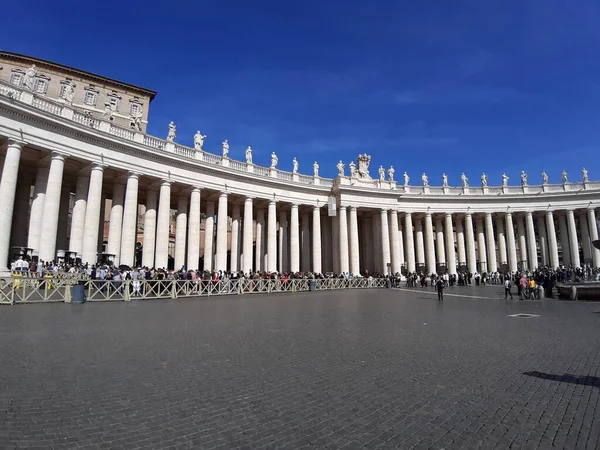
x,y
507,289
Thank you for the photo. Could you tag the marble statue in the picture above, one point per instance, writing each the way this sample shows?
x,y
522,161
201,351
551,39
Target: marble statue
x,y
69,93
225,148
340,168
504,180
316,169
249,155
584,174
135,120
109,111
363,166
391,173
406,179
544,177
274,160
352,169
484,182
198,139
172,132
523,178
464,180
564,176
29,78
381,173
425,179
444,180
295,165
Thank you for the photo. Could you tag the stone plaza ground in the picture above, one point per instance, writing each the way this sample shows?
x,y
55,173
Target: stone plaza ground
x,y
344,369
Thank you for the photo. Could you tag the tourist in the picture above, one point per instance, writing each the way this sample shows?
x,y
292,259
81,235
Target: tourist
x,y
439,285
507,289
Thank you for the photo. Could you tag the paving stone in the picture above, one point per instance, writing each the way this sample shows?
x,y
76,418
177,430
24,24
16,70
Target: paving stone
x,y
352,369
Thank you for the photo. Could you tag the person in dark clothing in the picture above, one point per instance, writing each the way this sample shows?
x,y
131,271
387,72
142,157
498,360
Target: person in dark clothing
x,y
439,285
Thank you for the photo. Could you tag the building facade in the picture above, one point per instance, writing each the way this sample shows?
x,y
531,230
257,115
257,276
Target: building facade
x,y
82,185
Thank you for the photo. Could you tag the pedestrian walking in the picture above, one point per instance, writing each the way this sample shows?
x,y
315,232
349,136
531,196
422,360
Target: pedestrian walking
x,y
507,289
439,285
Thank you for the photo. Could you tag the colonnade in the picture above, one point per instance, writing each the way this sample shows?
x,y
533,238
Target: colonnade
x,y
249,233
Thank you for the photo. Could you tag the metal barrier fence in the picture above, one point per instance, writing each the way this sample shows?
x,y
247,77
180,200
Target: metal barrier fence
x,y
56,289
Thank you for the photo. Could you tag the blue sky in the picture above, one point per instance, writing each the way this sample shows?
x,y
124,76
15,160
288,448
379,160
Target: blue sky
x,y
432,86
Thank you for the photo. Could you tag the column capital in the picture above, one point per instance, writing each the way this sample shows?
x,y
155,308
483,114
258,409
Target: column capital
x,y
132,174
272,202
317,207
98,166
249,199
164,182
59,155
343,207
382,211
294,205
448,214
16,143
223,194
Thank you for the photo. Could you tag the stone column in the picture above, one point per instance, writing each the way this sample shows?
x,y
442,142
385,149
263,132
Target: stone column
x,y
149,243
51,208
63,219
502,255
419,241
193,250
439,242
410,243
235,237
272,237
260,244
385,242
401,251
36,212
510,238
248,240
92,216
101,245
305,255
354,242
541,226
450,251
280,244
163,222
470,235
564,240
181,232
8,189
491,243
130,210
221,250
343,236
429,246
574,245
460,241
115,224
552,244
326,243
483,266
591,218
294,240
209,236
395,242
586,243
20,220
317,266
522,243
532,245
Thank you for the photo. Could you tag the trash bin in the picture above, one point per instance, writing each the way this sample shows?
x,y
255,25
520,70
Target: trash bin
x,y
313,285
388,283
78,292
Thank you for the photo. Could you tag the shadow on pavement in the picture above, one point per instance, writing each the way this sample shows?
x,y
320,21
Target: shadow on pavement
x,y
566,378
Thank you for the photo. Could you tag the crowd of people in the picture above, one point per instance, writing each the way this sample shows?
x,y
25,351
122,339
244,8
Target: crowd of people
x,y
529,284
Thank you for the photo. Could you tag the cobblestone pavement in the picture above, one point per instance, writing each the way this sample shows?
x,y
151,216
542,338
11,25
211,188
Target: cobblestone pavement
x,y
346,369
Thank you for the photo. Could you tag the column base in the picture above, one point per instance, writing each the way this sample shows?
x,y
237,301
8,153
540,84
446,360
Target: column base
x,y
5,272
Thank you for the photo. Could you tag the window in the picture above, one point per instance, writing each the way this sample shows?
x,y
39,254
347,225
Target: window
x,y
62,90
16,79
135,109
114,102
90,98
41,86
